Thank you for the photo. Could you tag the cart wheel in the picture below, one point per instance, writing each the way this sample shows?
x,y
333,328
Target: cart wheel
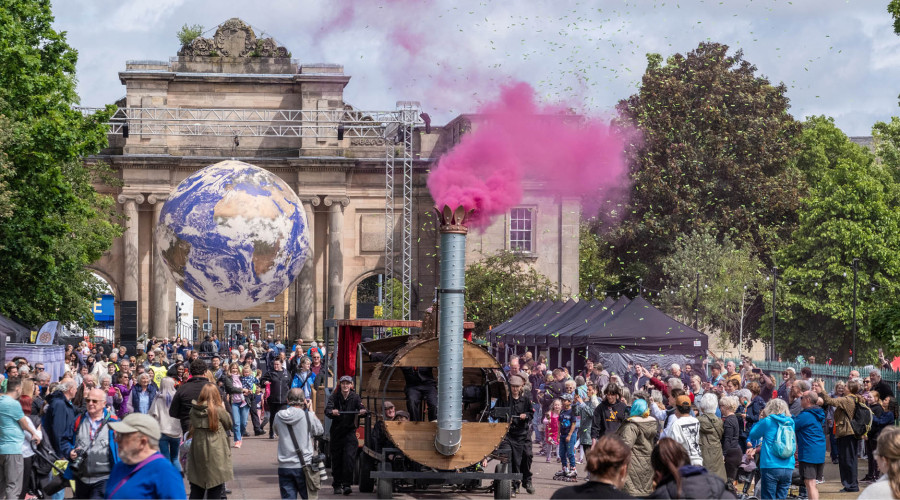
x,y
366,483
502,487
385,486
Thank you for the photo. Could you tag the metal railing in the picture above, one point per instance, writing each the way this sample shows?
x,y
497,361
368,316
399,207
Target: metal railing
x,y
830,374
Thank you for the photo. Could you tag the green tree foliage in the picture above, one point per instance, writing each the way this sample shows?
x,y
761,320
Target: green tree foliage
x,y
710,157
187,34
593,261
59,224
501,284
851,213
725,274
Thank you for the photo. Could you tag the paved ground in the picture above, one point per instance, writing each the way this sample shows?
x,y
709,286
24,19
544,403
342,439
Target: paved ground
x,y
256,477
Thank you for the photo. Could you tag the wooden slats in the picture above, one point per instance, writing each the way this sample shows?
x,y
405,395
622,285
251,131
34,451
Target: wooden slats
x,y
426,354
416,440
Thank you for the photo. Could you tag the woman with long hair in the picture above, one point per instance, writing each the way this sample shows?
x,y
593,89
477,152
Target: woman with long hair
x,y
209,462
775,472
889,463
170,427
607,466
675,477
237,397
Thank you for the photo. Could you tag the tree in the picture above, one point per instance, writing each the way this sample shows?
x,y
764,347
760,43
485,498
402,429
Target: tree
x,y
59,224
593,261
499,285
710,281
711,156
850,213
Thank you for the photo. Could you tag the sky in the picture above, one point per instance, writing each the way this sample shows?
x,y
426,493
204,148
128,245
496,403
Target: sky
x,y
837,58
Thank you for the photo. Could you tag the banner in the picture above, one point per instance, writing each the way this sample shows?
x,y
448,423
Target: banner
x,y
47,333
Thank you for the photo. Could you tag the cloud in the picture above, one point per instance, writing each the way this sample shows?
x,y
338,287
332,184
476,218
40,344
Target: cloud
x,y
835,58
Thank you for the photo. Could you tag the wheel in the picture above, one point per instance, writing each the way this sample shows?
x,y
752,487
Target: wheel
x,y
502,487
366,465
385,486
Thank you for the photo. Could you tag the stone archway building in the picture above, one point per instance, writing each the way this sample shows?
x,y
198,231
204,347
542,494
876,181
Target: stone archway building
x,y
341,183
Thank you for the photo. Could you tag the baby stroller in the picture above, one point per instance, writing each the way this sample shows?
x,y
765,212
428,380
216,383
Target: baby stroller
x,y
748,475
43,483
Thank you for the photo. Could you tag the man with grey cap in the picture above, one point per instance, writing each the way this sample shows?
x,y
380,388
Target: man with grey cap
x,y
297,429
519,411
343,408
143,471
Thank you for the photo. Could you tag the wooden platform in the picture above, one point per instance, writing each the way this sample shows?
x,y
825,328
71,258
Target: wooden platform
x,y
478,441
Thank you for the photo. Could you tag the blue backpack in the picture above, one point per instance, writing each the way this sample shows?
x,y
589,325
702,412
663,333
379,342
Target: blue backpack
x,y
785,441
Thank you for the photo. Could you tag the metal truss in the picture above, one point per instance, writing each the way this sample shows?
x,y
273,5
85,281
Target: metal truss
x,y
395,127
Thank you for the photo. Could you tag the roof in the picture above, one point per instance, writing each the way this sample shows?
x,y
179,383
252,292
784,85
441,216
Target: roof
x,y
635,325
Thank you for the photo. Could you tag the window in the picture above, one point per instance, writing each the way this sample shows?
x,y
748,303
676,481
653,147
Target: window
x,y
270,327
232,327
207,326
521,229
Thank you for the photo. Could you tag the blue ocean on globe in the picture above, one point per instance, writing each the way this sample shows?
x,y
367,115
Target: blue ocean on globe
x,y
233,235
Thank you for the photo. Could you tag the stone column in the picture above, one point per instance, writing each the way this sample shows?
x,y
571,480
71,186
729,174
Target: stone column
x,y
335,303
305,316
130,243
127,312
159,326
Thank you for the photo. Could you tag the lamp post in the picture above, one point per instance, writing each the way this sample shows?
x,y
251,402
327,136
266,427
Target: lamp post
x,y
855,268
774,293
697,304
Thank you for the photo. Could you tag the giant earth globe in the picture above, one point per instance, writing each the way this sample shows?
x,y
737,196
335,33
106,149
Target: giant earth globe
x,y
233,235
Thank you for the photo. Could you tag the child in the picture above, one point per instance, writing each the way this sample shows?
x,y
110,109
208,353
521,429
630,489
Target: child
x,y
551,428
567,437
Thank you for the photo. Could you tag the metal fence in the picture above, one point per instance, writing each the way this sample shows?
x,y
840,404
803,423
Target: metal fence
x,y
829,373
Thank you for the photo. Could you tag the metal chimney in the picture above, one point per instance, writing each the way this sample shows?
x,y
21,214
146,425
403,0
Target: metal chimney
x,y
451,316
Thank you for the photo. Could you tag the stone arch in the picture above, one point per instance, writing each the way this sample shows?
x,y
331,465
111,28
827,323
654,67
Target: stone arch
x,y
113,285
348,292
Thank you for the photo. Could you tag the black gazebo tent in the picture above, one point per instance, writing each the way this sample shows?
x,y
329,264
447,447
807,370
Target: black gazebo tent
x,y
615,333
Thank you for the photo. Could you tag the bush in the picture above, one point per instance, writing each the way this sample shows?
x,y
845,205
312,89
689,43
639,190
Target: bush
x,y
187,34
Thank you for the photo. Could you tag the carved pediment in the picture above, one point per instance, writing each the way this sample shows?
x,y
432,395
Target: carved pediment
x,y
234,38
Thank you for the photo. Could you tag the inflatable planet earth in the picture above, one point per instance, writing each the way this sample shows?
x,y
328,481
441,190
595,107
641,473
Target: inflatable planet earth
x,y
233,235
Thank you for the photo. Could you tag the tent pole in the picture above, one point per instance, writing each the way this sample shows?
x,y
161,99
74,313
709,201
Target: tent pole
x,y
573,359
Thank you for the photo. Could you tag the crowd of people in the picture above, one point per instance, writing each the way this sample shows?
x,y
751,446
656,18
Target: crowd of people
x,y
656,432
115,425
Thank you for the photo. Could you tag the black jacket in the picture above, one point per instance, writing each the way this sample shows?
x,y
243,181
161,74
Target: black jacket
x,y
345,422
207,346
731,435
423,375
696,482
182,402
608,418
280,384
511,410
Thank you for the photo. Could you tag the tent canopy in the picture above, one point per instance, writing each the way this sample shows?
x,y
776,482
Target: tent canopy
x,y
634,325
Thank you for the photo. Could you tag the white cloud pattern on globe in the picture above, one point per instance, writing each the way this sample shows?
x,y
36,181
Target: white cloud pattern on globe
x,y
233,235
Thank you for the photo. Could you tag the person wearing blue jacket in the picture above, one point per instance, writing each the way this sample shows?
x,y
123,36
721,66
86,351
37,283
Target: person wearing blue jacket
x,y
143,394
775,472
810,442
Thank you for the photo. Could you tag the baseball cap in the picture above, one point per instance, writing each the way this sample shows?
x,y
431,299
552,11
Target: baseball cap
x,y
346,378
137,422
683,402
516,380
567,397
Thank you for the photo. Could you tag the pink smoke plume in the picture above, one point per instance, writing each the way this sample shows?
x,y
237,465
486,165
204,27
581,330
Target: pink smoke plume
x,y
515,139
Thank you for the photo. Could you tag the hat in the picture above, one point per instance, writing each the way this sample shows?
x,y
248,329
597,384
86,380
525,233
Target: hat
x,y
387,404
401,413
346,378
683,402
516,381
567,397
137,422
638,408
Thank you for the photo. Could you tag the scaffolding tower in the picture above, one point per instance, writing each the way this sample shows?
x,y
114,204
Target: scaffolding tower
x,y
395,127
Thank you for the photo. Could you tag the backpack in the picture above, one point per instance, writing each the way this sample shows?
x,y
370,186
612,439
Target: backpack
x,y
861,421
785,442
